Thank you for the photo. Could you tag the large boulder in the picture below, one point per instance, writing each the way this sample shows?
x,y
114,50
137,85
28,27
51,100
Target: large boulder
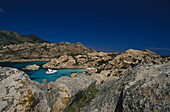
x,y
18,93
62,62
143,89
65,89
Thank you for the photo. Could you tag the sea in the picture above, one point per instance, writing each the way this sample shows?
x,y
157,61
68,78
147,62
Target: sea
x,y
40,74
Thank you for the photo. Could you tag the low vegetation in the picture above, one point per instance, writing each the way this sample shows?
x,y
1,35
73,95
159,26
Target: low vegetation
x,y
84,99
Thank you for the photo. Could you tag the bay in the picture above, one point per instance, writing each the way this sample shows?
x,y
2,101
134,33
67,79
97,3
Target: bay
x,y
40,74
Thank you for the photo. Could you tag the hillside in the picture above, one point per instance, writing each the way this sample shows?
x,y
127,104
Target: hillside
x,y
40,51
14,47
11,37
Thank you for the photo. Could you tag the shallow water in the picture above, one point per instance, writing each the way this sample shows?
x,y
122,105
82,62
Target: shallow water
x,y
40,74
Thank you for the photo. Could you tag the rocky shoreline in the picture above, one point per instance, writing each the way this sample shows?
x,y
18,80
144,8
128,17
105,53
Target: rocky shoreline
x,y
108,64
144,88
132,81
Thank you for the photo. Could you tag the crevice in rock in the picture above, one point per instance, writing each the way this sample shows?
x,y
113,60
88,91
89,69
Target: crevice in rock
x,y
35,102
119,106
75,99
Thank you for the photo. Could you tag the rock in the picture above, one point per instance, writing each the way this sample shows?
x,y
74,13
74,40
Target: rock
x,y
80,56
62,59
105,72
65,90
108,64
62,62
20,93
31,67
79,44
143,89
111,78
75,74
99,78
91,70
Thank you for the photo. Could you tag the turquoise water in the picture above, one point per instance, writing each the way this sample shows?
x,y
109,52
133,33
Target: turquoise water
x,y
40,74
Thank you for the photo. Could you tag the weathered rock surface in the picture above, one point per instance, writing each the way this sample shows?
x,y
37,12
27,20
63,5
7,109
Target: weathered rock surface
x,y
65,89
143,89
18,93
31,67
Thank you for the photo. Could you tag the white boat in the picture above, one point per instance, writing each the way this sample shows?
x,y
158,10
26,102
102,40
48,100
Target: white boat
x,y
50,71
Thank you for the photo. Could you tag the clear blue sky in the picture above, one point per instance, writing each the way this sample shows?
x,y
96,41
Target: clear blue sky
x,y
105,25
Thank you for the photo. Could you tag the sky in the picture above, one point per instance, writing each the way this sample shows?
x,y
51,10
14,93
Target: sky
x,y
104,25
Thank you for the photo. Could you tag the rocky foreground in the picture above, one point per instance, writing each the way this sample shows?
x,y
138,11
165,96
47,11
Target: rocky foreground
x,y
145,88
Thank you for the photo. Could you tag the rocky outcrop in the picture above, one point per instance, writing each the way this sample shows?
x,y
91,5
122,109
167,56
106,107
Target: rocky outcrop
x,y
20,94
41,51
108,64
89,60
65,90
31,67
142,89
129,59
64,61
